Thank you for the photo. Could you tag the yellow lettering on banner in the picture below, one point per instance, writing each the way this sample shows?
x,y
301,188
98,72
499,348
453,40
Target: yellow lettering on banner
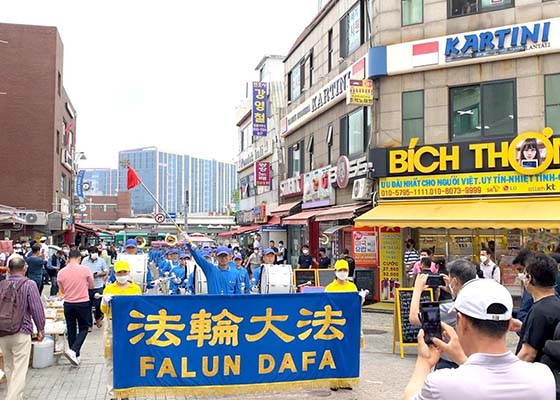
x,y
307,357
478,153
444,158
185,373
263,359
493,154
411,146
327,360
215,366
418,159
146,363
232,366
166,368
556,152
287,363
397,161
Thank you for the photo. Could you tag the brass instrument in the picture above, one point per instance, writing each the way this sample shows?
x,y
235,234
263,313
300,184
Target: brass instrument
x,y
171,240
141,242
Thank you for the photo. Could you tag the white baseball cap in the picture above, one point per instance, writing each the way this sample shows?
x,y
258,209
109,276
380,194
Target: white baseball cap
x,y
43,238
476,297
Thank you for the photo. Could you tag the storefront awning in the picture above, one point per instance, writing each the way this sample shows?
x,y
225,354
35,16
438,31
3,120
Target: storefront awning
x,y
539,213
300,218
243,229
88,228
333,229
284,209
274,220
342,212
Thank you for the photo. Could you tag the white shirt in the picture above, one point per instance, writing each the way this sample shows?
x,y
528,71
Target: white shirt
x,y
45,250
487,271
491,377
256,244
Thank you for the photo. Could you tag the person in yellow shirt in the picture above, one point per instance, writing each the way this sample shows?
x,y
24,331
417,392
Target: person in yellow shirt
x,y
122,286
341,283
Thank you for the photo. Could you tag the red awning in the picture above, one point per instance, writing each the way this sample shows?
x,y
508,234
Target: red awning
x,y
341,212
284,209
274,220
243,229
300,218
88,228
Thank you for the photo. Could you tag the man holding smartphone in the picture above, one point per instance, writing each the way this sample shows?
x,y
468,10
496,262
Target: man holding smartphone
x,y
487,370
99,269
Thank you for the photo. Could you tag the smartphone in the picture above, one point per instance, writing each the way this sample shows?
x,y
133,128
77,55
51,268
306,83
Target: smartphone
x,y
431,321
435,280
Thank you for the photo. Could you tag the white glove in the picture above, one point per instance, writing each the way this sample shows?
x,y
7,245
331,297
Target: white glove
x,y
177,280
107,298
166,274
363,293
156,282
185,237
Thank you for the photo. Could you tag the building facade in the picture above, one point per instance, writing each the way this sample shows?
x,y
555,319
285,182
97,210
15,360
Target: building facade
x,y
169,176
37,130
464,139
100,182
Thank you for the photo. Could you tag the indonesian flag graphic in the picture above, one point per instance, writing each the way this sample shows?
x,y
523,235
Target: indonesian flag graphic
x,y
425,54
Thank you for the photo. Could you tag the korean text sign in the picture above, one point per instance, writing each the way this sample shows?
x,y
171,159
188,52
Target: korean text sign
x,y
181,345
262,173
259,108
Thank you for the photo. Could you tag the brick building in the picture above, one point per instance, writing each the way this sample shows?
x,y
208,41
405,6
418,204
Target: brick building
x,y
102,210
37,127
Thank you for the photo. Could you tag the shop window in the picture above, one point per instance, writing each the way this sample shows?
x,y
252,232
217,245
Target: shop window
x,y
484,110
296,79
459,8
296,159
552,101
412,116
354,132
412,12
352,30
330,50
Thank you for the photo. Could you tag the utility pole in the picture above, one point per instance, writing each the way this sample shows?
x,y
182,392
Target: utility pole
x,y
186,212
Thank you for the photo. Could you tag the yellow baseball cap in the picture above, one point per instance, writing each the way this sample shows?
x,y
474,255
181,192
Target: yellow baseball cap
x,y
341,264
122,265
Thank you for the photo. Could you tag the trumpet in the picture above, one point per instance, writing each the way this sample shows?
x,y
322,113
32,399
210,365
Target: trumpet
x,y
171,240
141,242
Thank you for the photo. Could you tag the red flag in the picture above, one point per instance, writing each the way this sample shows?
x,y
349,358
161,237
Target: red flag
x,y
132,179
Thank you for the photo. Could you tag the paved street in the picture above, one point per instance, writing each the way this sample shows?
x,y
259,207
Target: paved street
x,y
383,375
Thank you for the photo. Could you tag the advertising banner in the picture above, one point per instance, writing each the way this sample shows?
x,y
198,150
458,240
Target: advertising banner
x,y
364,247
390,262
360,92
260,114
80,185
214,345
317,190
262,173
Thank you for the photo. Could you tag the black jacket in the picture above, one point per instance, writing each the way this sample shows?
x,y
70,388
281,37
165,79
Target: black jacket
x,y
551,357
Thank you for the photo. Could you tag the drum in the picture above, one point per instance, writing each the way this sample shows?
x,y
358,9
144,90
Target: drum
x,y
276,278
138,267
200,282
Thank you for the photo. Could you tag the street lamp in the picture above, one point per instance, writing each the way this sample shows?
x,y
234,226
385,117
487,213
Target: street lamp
x,y
80,155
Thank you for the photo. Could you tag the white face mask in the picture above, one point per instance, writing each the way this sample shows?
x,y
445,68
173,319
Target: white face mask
x,y
93,256
66,252
123,279
342,275
483,259
305,251
84,253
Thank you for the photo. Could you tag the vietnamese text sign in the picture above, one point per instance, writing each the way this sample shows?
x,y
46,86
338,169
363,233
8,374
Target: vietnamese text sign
x,y
194,345
259,108
473,184
390,262
262,173
364,247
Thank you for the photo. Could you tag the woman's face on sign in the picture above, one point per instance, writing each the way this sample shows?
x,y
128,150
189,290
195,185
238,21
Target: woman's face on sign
x,y
529,153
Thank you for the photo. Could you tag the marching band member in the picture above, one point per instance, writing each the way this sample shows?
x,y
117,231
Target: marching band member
x,y
243,274
122,286
269,256
178,274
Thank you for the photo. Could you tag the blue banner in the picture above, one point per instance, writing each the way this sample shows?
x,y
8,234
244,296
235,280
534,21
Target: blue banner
x,y
80,185
197,345
260,115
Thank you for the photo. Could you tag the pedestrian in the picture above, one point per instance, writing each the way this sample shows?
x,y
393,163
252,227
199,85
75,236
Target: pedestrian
x,y
345,255
22,302
489,268
411,256
282,256
57,262
444,294
243,274
487,370
267,259
305,259
324,261
544,316
74,281
252,262
100,271
36,266
425,254
44,248
121,287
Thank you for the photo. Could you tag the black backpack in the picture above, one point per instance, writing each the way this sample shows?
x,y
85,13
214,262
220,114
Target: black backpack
x,y
11,311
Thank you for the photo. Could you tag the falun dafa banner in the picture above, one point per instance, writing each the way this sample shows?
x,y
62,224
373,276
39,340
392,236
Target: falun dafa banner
x,y
209,345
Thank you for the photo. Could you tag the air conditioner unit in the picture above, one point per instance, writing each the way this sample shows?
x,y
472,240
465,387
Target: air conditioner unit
x,y
34,217
362,189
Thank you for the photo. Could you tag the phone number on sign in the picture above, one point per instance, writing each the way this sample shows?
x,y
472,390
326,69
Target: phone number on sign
x,y
430,191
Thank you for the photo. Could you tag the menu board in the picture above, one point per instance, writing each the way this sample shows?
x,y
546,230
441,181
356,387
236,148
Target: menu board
x,y
404,332
364,279
303,276
325,276
390,263
364,247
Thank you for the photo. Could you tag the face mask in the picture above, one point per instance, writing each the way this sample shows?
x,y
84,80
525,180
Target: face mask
x,y
256,251
342,275
123,279
483,258
305,251
66,251
93,256
280,245
84,253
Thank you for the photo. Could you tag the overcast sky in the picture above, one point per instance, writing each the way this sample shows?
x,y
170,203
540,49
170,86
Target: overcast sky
x,y
162,73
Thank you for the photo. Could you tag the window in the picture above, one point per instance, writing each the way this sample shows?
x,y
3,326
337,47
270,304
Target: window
x,y
354,132
63,183
412,116
329,143
330,50
351,30
295,159
57,141
552,101
59,83
412,12
458,8
311,68
310,151
487,109
296,81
